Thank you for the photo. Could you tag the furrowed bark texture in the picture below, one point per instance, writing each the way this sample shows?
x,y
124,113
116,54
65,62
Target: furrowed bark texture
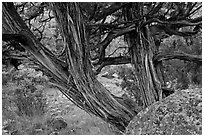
x,y
148,83
97,99
74,78
142,48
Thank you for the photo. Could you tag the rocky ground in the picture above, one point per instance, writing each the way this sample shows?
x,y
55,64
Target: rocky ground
x,y
78,122
111,84
180,113
62,116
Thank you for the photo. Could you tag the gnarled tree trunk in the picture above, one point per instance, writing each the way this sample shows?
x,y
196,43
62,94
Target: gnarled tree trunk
x,y
94,95
142,48
142,58
75,77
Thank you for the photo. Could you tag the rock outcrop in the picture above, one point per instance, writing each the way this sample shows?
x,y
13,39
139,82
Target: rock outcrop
x,y
178,114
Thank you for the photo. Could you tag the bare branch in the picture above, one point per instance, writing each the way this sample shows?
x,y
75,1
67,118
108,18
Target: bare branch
x,y
46,20
179,33
113,61
157,8
107,11
113,34
177,55
168,10
189,8
192,22
195,10
116,50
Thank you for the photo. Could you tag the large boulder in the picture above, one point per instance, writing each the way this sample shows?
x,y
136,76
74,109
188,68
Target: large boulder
x,y
178,114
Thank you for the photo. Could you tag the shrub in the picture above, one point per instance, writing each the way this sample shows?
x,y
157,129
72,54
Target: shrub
x,y
29,97
184,73
29,101
23,101
5,78
128,84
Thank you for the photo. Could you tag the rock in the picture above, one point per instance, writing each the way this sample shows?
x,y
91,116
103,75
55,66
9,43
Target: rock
x,y
54,133
38,130
107,75
15,132
57,124
115,75
178,114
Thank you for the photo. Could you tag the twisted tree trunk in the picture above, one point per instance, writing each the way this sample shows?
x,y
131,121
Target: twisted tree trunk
x,y
142,48
75,77
146,77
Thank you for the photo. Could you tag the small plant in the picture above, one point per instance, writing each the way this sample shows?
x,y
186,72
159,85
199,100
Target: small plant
x,y
29,97
29,101
23,102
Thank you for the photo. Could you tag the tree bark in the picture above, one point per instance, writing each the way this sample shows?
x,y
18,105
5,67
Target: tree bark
x,y
74,78
142,48
159,57
147,80
98,99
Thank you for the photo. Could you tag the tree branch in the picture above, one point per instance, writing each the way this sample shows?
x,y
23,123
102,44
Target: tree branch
x,y
195,10
15,29
193,22
177,55
180,33
107,11
113,61
113,34
190,6
156,9
116,50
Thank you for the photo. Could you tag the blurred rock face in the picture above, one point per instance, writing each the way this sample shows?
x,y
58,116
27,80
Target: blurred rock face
x,y
178,114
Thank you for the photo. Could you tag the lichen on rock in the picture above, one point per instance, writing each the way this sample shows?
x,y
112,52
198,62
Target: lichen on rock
x,y
178,114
